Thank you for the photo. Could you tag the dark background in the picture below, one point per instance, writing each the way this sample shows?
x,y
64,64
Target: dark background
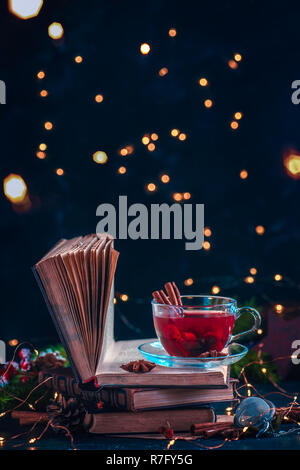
x,y
108,34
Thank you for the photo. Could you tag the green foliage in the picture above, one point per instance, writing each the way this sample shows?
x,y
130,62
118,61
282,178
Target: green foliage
x,y
245,322
20,390
254,371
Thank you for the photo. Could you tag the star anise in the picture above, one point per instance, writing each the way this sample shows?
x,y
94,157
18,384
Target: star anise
x,y
138,367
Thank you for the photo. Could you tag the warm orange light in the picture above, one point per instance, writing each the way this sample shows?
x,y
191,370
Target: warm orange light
x,y
232,64
146,140
48,125
55,30
292,165
244,174
44,93
215,289
145,48
124,297
130,149
278,277
253,271
123,152
186,195
182,136
151,147
99,98
174,132
25,9
206,245
151,187
203,82
59,171
238,116
15,188
154,136
115,300
122,170
189,281
42,146
163,72
100,157
41,155
249,279
237,57
13,342
207,232
279,308
172,32
165,178
78,59
41,74
260,229
259,331
177,197
234,125
208,103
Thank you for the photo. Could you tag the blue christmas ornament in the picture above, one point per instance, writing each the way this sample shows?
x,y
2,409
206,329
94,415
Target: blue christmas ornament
x,y
254,412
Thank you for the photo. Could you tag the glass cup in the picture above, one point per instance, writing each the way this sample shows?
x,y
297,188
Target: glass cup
x,y
202,324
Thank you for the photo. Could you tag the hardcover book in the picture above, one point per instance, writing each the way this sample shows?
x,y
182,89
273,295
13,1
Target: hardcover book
x,y
133,399
76,279
149,421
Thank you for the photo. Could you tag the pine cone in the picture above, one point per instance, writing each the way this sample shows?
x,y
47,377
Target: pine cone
x,y
48,361
69,413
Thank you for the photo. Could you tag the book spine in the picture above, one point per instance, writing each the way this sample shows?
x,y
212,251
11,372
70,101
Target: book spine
x,y
117,399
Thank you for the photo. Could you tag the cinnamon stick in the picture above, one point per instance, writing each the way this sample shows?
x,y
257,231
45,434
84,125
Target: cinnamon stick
x,y
165,298
171,293
177,293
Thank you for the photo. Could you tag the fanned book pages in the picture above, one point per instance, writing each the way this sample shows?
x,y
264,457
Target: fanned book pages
x,y
76,279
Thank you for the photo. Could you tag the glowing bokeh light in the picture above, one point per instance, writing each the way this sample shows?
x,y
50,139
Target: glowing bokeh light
x,y
55,30
238,116
165,178
41,74
189,282
154,136
253,271
124,297
15,188
186,196
44,93
278,277
292,165
174,132
182,136
25,9
208,103
177,197
13,342
243,174
145,139
172,32
279,308
100,157
145,48
207,231
41,155
151,187
237,57
78,59
48,125
249,280
151,147
215,290
203,82
122,170
59,171
233,64
42,146
260,229
163,72
99,98
234,125
206,245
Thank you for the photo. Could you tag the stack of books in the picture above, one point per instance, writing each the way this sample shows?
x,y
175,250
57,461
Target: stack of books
x,y
76,279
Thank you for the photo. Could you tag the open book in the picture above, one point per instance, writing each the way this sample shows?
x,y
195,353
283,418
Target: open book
x,y
76,279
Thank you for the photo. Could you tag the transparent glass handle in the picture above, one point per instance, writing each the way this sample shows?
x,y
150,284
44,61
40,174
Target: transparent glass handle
x,y
257,321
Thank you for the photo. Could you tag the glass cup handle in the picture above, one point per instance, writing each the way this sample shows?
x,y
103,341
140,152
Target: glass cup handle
x,y
257,321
